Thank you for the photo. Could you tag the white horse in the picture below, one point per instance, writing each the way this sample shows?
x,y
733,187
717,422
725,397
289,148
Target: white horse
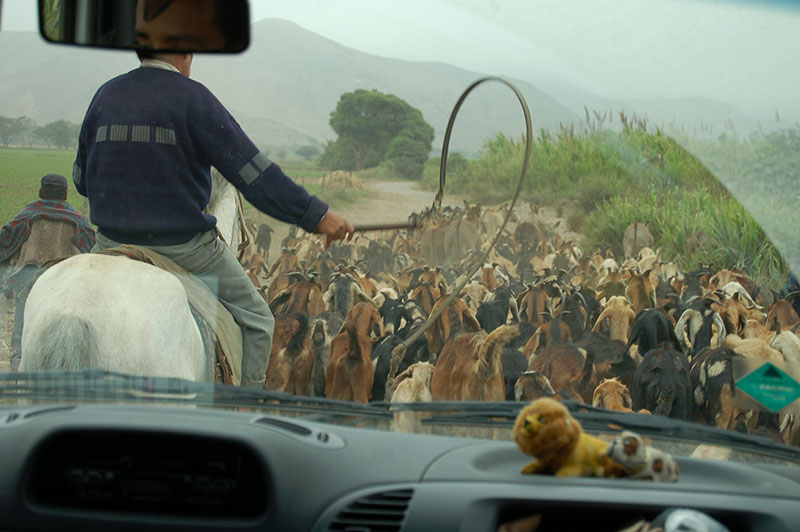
x,y
120,314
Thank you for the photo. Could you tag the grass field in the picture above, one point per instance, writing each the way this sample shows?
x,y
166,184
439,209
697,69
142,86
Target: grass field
x,y
20,173
22,169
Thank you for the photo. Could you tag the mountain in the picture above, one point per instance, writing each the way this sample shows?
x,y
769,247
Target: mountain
x,y
283,89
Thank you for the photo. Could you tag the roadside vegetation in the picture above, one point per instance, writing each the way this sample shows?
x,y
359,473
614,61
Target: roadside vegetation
x,y
602,180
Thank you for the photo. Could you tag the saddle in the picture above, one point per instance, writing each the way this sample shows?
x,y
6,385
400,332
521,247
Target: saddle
x,y
222,337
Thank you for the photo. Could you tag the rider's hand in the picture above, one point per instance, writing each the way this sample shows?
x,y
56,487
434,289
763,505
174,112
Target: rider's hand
x,y
334,227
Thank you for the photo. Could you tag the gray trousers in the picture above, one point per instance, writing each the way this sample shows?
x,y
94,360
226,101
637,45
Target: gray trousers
x,y
213,263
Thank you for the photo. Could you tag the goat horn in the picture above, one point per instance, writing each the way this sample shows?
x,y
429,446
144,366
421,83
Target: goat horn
x,y
791,295
580,295
717,319
680,329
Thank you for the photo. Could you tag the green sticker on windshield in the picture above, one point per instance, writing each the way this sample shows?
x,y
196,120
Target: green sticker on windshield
x,y
770,386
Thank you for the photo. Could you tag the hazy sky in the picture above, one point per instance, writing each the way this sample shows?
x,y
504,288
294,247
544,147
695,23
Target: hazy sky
x,y
735,51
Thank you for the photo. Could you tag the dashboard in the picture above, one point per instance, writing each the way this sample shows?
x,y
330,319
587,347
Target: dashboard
x,y
107,467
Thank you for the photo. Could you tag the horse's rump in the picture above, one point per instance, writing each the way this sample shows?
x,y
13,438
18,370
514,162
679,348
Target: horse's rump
x,y
228,348
122,315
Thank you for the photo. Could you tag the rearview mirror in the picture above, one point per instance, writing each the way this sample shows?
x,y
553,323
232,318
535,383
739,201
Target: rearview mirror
x,y
221,26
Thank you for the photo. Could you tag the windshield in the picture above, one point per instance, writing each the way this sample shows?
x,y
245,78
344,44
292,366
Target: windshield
x,y
645,268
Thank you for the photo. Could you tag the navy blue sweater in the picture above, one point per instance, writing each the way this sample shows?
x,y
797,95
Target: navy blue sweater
x,y
145,152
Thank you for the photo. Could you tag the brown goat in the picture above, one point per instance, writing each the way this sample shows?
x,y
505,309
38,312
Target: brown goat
x,y
754,348
568,394
426,295
619,316
489,276
255,265
532,305
723,277
612,395
553,333
735,314
301,296
456,318
567,367
641,292
291,360
782,313
413,385
349,374
283,265
532,385
469,367
368,319
756,329
368,285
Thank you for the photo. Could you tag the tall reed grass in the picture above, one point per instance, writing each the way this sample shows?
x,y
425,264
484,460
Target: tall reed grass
x,y
611,178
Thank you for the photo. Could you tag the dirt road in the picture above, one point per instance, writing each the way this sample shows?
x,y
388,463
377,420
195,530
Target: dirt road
x,y
386,202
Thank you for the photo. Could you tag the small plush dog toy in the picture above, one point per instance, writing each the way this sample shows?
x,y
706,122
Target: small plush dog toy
x,y
546,430
640,460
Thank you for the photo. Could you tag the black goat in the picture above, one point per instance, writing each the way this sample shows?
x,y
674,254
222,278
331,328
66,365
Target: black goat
x,y
661,384
650,328
493,312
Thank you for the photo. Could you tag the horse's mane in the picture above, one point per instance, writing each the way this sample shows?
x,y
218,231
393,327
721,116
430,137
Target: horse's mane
x,y
219,187
223,205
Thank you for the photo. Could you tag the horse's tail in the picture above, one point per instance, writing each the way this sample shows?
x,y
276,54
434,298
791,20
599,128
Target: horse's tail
x,y
67,343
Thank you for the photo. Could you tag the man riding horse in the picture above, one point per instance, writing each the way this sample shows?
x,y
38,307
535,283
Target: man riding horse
x,y
42,234
146,148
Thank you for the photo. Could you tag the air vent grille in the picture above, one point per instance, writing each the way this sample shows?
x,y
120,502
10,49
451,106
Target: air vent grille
x,y
379,512
285,425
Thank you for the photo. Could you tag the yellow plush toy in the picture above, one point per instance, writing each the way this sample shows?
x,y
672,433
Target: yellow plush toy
x,y
546,430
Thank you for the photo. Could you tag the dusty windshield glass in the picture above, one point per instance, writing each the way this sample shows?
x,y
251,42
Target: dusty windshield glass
x,y
646,266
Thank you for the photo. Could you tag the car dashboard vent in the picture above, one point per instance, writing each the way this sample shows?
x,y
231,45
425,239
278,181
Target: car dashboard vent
x,y
378,512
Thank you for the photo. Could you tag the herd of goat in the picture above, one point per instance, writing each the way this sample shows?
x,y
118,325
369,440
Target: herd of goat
x,y
540,317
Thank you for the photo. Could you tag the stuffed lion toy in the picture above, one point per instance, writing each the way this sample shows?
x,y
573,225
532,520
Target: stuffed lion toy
x,y
546,430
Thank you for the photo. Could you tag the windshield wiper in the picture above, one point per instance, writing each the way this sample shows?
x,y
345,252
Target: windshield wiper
x,y
97,385
594,419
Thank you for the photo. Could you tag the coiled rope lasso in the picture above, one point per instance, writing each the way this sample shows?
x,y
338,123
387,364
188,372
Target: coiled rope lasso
x,y
399,351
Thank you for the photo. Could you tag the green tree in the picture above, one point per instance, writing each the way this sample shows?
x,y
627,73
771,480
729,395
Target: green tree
x,y
60,133
308,152
27,126
374,128
11,128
